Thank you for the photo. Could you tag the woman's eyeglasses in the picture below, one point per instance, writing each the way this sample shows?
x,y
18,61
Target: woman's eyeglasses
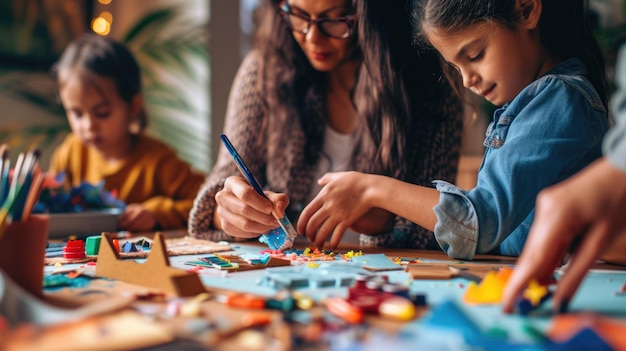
x,y
339,28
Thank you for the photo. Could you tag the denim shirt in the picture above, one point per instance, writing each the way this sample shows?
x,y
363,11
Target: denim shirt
x,y
552,129
615,142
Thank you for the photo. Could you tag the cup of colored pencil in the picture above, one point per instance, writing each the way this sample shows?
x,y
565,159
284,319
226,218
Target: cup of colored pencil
x,y
23,236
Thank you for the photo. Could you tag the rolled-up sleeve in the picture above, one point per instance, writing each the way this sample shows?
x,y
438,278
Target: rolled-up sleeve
x,y
456,230
614,147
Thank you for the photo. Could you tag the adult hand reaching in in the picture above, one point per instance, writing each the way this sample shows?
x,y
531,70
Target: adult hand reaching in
x,y
584,213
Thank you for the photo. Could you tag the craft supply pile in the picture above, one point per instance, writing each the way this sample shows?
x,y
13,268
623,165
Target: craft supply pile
x,y
221,295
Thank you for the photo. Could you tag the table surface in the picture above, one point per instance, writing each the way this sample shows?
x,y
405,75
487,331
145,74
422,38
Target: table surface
x,y
597,293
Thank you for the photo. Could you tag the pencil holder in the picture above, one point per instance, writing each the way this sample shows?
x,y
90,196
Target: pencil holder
x,y
22,252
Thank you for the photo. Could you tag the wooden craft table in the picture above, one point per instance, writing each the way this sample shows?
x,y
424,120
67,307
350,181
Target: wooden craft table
x,y
153,321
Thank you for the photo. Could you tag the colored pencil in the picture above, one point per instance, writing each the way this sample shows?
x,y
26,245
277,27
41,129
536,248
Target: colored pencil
x,y
33,193
16,172
19,192
5,165
25,177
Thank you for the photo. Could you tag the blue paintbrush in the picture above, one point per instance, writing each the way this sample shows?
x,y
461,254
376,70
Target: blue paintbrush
x,y
284,222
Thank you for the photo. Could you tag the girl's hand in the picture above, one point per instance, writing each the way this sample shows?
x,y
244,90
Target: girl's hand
x,y
341,202
137,219
242,212
588,207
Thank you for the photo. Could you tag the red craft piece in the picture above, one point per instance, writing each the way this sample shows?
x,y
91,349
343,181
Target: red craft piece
x,y
74,250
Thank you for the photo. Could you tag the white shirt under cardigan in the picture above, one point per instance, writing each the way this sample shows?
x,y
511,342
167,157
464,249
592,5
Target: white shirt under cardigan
x,y
335,157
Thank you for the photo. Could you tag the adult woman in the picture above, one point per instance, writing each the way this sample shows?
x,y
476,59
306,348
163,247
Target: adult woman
x,y
332,85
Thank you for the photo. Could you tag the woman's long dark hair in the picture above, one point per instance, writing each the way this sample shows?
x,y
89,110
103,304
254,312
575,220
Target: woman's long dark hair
x,y
564,28
392,94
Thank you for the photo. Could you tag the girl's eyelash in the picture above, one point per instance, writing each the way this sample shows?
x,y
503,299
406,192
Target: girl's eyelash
x,y
476,57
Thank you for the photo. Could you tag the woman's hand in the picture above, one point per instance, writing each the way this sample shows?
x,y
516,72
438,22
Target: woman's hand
x,y
242,212
589,208
135,218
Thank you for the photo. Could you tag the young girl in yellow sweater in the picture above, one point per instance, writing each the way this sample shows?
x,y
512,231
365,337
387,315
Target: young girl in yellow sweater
x,y
100,88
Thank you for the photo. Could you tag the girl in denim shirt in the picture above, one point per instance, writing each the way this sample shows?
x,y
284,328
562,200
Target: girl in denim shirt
x,y
539,62
584,214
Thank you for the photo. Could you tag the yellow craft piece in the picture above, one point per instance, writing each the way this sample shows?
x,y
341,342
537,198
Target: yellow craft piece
x,y
351,254
535,292
490,289
312,265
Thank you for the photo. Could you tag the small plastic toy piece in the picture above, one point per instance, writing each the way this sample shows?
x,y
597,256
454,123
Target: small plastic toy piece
x,y
92,245
419,299
344,310
144,243
490,289
398,308
532,297
129,247
74,250
535,293
116,245
371,293
242,300
282,302
303,301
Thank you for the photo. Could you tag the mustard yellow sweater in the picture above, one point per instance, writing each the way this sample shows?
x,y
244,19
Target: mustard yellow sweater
x,y
152,175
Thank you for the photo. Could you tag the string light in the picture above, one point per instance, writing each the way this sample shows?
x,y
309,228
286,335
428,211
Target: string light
x,y
107,16
102,24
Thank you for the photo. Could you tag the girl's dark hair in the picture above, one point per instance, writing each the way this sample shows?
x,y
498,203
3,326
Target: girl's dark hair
x,y
102,56
394,91
564,28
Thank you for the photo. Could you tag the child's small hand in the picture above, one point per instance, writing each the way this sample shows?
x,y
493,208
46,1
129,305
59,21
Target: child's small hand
x,y
340,203
137,219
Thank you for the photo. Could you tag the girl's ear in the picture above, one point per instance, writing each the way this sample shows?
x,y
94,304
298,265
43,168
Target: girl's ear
x,y
529,13
136,106
136,115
